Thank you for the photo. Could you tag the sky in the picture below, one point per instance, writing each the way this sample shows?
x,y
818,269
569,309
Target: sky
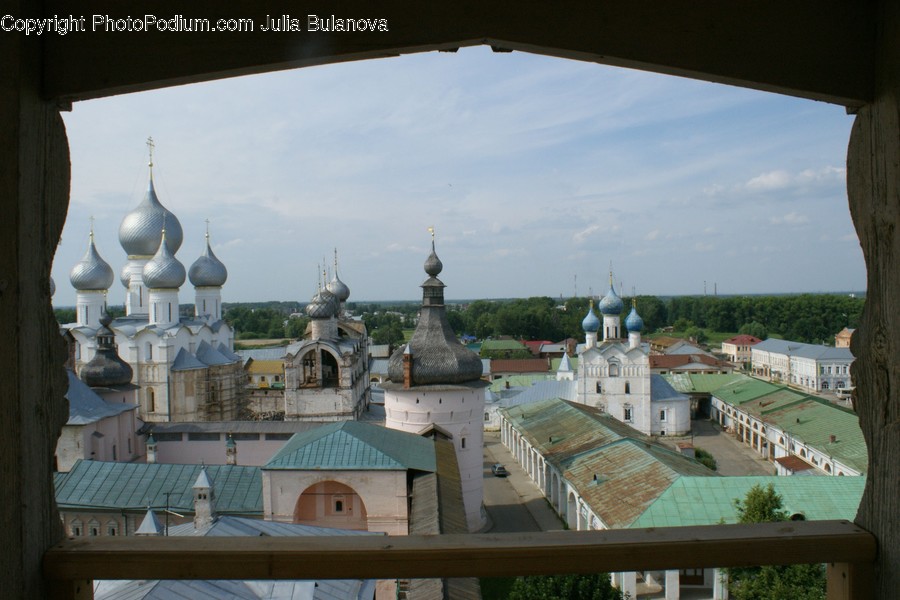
x,y
537,173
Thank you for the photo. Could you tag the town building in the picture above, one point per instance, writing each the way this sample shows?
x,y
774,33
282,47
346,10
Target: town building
x,y
598,474
737,349
812,367
666,364
842,338
786,426
614,373
185,366
435,384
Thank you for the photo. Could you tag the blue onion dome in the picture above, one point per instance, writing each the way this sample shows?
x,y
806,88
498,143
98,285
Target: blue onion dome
x,y
338,288
633,322
591,323
163,271
208,270
91,272
107,368
125,276
139,231
611,303
323,305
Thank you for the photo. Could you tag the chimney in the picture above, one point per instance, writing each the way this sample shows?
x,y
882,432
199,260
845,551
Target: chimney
x,y
833,438
230,451
407,368
151,449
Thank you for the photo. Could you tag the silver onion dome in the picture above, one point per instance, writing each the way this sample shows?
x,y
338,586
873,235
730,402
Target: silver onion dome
x,y
208,270
91,272
323,305
125,276
163,271
338,288
139,231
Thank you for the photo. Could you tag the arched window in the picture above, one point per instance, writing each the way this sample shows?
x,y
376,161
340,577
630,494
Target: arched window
x,y
627,387
76,527
599,388
613,369
151,400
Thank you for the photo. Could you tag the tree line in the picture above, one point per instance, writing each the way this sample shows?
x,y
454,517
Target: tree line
x,y
812,318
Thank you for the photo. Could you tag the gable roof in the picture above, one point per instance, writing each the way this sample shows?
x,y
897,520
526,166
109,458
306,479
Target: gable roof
x,y
710,500
520,365
85,406
185,361
354,445
133,486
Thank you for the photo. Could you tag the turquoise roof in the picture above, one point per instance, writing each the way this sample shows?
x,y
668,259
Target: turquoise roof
x,y
134,486
352,445
710,500
744,389
702,383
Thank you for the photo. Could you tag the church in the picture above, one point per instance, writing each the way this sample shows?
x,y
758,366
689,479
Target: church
x,y
326,374
185,366
614,373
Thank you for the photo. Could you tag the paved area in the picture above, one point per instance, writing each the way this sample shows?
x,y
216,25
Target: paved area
x,y
732,457
513,503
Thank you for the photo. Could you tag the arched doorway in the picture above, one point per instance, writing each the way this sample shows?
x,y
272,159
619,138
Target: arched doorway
x,y
572,511
331,504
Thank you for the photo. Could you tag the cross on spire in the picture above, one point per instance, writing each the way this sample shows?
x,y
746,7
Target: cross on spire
x,y
207,229
150,146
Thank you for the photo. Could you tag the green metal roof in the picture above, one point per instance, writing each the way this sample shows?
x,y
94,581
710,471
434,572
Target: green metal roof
x,y
554,363
489,345
814,421
700,383
110,485
525,381
710,500
806,418
743,390
352,445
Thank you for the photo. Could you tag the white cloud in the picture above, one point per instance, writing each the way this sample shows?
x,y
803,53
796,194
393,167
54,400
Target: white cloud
x,y
792,218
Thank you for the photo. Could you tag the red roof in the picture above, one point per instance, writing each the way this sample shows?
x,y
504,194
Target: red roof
x,y
743,340
671,361
535,345
794,464
519,365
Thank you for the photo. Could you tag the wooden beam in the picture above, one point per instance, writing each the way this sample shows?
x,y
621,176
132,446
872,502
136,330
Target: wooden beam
x,y
848,581
820,49
481,555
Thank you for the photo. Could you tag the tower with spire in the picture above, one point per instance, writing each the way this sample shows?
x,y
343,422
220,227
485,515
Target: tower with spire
x,y
435,383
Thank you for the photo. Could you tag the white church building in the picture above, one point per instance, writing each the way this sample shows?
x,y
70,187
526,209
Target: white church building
x,y
185,366
614,373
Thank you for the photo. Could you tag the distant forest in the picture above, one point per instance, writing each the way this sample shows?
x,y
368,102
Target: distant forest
x,y
813,318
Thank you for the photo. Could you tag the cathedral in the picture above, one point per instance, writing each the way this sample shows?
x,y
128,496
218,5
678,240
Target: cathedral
x,y
326,374
185,366
614,373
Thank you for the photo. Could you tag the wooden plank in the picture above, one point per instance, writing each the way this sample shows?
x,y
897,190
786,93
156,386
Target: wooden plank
x,y
80,589
848,581
873,187
810,48
459,555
